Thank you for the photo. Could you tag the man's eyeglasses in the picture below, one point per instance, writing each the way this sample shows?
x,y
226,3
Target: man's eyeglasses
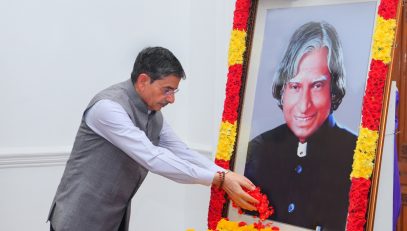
x,y
168,91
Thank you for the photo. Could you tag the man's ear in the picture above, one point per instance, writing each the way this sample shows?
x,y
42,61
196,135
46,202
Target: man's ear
x,y
142,81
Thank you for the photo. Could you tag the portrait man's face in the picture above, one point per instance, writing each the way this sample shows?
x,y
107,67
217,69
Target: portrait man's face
x,y
306,99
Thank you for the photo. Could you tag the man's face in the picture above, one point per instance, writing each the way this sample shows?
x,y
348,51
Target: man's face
x,y
307,96
158,93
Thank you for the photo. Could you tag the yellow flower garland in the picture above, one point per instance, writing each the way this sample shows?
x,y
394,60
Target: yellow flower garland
x,y
237,47
383,39
227,136
365,153
225,225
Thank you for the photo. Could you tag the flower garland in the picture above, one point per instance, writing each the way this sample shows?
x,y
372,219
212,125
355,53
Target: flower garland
x,y
365,150
263,207
225,225
228,128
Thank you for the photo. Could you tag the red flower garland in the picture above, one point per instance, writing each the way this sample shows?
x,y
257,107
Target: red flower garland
x,y
218,199
241,14
263,207
222,163
233,85
388,9
373,98
358,199
215,207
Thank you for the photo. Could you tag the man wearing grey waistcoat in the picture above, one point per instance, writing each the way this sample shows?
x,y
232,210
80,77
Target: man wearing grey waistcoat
x,y
122,136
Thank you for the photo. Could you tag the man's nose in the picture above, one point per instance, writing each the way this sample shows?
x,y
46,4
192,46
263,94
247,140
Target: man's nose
x,y
305,101
170,98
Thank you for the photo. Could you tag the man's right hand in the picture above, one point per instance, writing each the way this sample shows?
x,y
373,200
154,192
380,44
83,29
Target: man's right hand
x,y
233,185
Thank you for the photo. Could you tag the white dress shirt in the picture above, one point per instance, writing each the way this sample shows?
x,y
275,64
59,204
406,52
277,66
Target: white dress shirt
x,y
171,158
302,149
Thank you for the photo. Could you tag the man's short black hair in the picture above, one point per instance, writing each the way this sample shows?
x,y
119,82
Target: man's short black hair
x,y
157,63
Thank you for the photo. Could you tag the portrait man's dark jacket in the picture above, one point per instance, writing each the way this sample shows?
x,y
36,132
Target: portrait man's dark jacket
x,y
305,191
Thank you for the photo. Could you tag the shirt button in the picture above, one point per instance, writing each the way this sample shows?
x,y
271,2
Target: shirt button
x,y
291,207
298,169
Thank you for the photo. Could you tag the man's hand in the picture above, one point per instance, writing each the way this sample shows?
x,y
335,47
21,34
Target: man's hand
x,y
233,184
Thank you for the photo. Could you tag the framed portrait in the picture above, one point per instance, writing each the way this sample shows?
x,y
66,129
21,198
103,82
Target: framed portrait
x,y
303,96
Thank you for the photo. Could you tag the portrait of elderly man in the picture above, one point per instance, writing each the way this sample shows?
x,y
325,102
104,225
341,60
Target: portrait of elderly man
x,y
303,165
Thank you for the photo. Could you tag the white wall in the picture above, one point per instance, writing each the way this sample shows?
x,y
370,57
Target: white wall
x,y
55,55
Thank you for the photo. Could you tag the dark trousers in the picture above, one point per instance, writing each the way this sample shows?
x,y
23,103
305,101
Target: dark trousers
x,y
51,229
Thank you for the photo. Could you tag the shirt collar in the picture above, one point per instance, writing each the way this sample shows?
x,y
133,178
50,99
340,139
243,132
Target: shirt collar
x,y
135,97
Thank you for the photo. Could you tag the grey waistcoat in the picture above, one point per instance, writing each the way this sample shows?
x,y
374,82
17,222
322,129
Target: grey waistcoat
x,y
99,179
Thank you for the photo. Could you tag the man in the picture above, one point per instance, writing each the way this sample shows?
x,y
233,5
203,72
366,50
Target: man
x,y
122,136
304,165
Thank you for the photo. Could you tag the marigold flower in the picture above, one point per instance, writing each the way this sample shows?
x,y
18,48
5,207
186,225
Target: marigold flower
x,y
237,47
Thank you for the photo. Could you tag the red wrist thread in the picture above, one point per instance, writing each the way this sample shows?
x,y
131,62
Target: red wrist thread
x,y
221,178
